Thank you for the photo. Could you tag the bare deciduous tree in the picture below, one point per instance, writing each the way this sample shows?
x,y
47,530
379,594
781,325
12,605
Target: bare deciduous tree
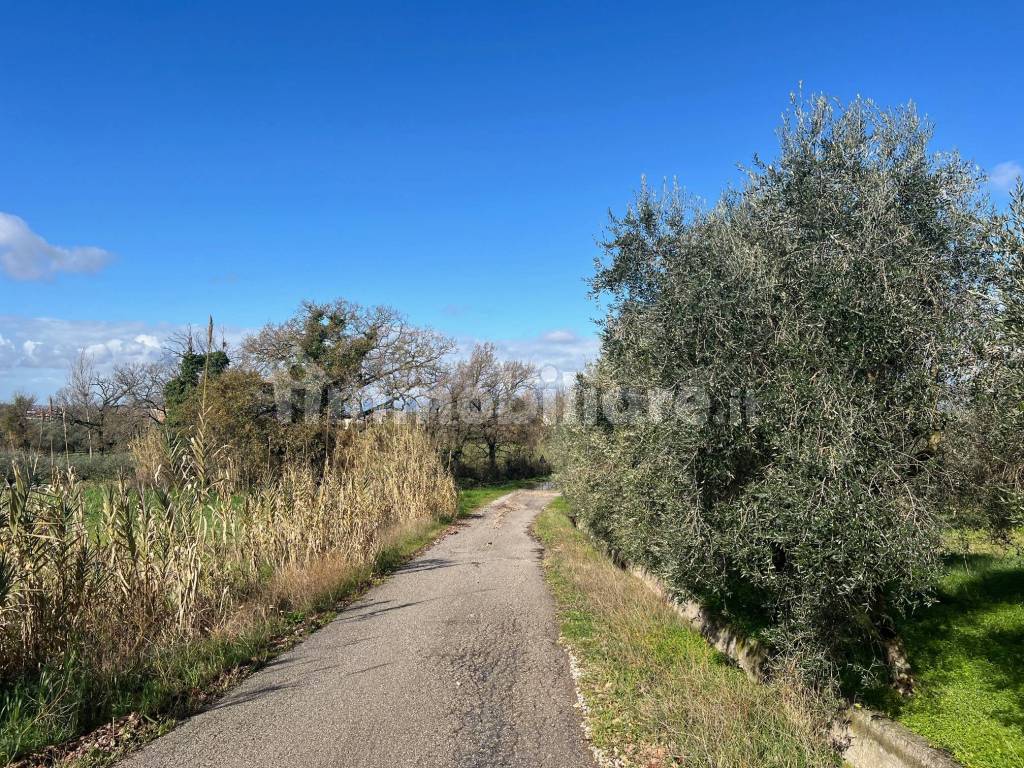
x,y
112,406
143,386
90,400
486,400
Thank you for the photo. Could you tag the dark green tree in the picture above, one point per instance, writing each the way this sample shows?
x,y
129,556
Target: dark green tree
x,y
804,341
192,367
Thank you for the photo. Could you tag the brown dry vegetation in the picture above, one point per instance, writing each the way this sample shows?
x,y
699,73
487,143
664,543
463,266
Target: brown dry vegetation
x,y
98,603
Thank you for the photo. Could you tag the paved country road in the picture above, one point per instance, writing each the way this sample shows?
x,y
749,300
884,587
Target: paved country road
x,y
453,661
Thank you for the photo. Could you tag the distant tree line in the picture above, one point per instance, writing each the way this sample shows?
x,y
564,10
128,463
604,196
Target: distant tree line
x,y
281,392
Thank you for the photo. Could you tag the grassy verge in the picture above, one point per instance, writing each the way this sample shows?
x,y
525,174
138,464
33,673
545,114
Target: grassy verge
x,y
656,693
967,654
35,719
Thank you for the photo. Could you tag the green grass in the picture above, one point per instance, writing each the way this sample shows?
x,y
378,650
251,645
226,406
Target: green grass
x,y
656,693
967,655
62,704
470,498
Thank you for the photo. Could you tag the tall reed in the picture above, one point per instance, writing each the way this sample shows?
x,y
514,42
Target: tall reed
x,y
91,595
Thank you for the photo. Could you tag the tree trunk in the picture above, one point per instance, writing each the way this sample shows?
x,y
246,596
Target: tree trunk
x,y
492,457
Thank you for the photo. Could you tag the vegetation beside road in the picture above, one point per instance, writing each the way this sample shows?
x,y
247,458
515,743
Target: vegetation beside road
x,y
142,649
801,388
200,508
656,694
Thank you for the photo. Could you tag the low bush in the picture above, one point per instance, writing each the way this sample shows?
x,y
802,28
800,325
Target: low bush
x,y
85,466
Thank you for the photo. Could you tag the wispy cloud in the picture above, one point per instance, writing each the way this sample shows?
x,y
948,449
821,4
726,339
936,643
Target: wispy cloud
x,y
558,354
36,352
24,255
1004,175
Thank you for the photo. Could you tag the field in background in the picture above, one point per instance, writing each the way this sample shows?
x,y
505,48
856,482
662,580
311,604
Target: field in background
x,y
476,496
656,693
87,467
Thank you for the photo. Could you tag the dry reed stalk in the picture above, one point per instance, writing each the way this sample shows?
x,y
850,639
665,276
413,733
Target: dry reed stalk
x,y
155,566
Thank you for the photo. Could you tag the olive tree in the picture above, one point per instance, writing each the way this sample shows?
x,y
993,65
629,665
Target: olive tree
x,y
987,442
788,360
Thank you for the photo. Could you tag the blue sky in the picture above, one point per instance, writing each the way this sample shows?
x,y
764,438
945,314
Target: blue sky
x,y
456,161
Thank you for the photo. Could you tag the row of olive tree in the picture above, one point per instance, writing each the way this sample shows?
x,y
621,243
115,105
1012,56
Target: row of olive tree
x,y
769,424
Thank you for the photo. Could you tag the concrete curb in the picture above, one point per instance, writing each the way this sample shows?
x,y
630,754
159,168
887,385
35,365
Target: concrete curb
x,y
875,741
746,652
872,739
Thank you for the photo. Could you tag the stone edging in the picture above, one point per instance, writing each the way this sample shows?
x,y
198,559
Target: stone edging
x,y
746,652
873,740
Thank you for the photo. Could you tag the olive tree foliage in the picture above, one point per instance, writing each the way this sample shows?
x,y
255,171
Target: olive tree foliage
x,y
360,359
764,427
987,435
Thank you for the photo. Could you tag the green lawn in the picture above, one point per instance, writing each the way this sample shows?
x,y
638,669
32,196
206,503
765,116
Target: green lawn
x,y
967,654
657,694
470,498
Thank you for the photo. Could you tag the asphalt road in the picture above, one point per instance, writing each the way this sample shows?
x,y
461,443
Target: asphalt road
x,y
453,661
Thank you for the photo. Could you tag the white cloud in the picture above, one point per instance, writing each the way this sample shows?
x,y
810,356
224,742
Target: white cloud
x,y
558,354
1004,175
45,342
36,352
24,255
559,337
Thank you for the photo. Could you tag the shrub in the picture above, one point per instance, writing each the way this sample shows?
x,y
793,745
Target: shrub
x,y
238,416
801,345
86,467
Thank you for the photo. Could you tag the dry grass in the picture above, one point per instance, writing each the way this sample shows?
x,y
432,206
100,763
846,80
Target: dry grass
x,y
93,606
656,693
